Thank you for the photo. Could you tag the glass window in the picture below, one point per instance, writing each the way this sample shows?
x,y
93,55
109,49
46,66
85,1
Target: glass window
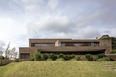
x,y
24,55
37,45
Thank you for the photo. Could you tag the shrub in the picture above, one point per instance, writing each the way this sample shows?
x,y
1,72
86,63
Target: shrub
x,y
45,56
78,58
104,59
53,56
89,57
49,59
61,55
32,59
1,57
72,56
113,51
60,59
101,56
67,57
16,60
37,56
73,59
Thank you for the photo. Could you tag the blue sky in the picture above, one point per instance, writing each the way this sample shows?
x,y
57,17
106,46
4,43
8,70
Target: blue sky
x,y
76,19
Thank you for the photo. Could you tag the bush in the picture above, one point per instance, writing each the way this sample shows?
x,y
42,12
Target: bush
x,y
101,56
78,58
32,59
16,60
61,55
104,59
60,59
49,59
72,56
73,59
45,56
37,56
1,57
67,57
89,57
53,56
113,51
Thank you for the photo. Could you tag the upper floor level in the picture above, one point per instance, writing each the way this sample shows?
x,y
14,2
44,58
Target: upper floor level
x,y
68,42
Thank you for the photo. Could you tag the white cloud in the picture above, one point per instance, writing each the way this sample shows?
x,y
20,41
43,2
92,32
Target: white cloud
x,y
55,19
60,27
50,24
53,3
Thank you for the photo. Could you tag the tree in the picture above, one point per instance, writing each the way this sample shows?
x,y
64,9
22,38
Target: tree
x,y
15,55
105,37
6,51
12,52
113,42
113,51
1,52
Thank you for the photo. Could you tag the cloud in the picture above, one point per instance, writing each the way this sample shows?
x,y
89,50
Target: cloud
x,y
24,19
53,3
50,24
2,44
60,27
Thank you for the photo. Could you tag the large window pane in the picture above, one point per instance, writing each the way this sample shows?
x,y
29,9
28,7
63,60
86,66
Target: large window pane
x,y
37,45
24,55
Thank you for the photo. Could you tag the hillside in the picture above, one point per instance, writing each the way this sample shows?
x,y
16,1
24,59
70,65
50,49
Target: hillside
x,y
57,69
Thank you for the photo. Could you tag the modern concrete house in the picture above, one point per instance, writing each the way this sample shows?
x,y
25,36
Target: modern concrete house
x,y
65,46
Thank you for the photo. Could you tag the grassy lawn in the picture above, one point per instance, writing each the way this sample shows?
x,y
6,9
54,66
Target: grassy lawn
x,y
57,69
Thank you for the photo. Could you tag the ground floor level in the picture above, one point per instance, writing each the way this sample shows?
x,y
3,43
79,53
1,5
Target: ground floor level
x,y
27,53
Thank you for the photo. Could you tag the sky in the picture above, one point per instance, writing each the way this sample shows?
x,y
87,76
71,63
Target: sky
x,y
76,19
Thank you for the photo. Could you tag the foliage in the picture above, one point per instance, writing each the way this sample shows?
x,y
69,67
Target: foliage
x,y
49,59
17,60
72,56
53,56
37,56
1,52
73,59
113,51
89,57
113,42
45,56
104,59
1,57
60,59
61,55
7,49
105,37
78,58
32,59
101,56
67,57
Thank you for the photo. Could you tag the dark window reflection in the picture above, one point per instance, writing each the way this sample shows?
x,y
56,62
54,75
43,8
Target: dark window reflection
x,y
24,55
80,44
37,45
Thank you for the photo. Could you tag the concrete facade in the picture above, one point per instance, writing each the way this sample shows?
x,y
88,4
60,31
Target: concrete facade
x,y
78,47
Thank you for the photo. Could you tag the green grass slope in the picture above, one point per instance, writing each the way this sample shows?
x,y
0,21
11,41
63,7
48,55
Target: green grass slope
x,y
56,69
